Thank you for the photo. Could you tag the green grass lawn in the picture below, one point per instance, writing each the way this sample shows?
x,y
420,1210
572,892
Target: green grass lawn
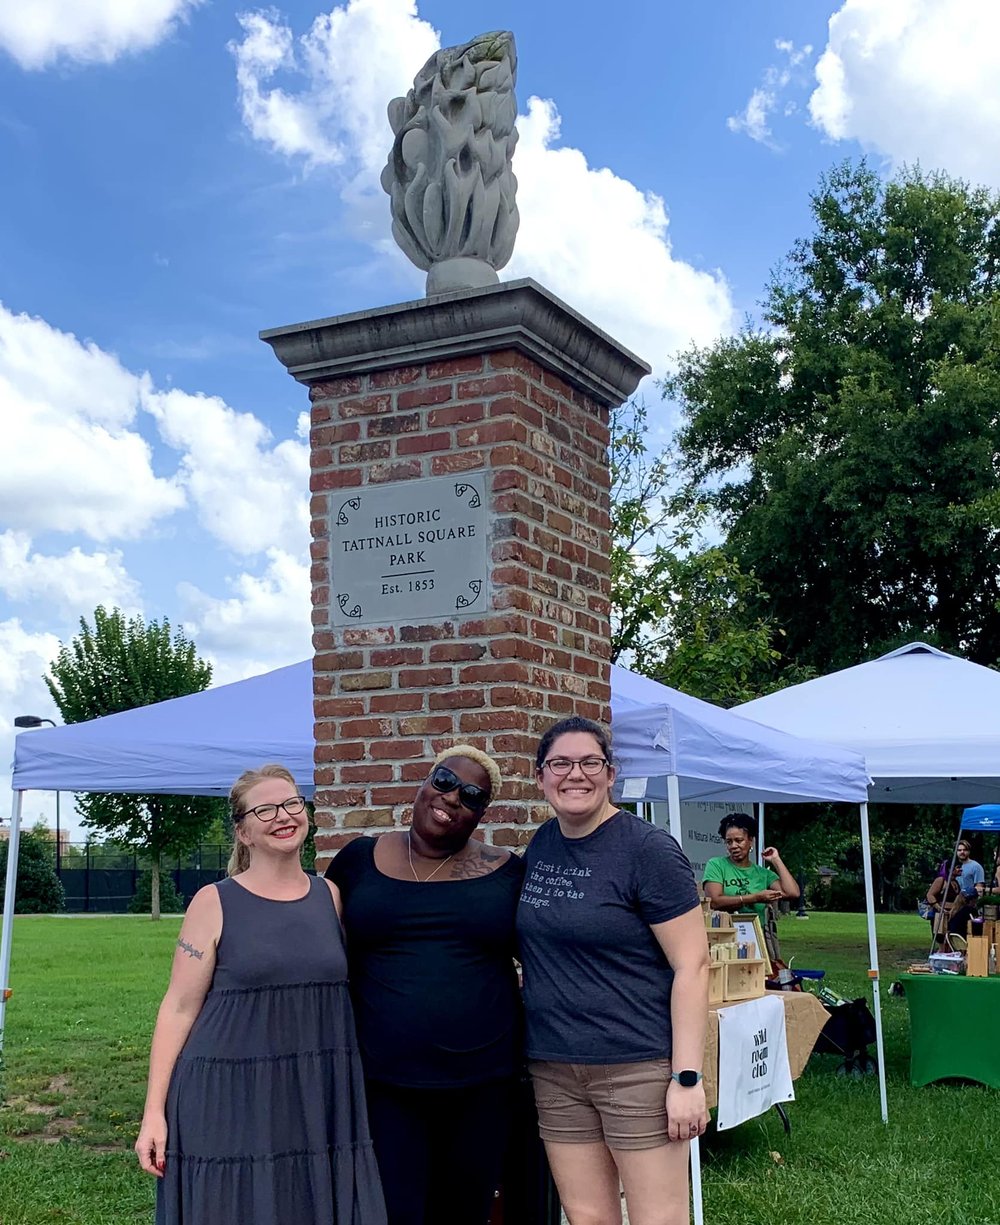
x,y
86,991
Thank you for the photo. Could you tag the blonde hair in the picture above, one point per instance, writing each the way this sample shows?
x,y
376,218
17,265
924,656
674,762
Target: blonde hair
x,y
239,860
480,758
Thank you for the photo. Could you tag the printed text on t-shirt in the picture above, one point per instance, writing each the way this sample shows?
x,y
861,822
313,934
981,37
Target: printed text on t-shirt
x,y
552,880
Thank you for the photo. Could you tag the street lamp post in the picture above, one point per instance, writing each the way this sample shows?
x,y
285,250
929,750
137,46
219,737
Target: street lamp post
x,y
37,721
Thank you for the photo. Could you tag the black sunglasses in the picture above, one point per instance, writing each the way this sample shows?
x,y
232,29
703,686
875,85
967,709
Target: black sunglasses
x,y
474,798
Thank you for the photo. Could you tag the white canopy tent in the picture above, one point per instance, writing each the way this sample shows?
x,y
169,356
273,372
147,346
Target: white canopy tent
x,y
927,723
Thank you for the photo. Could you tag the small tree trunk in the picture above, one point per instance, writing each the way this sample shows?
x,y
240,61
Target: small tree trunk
x,y
154,888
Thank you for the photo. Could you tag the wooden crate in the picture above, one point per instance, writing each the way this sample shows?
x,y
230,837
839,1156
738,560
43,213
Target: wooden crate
x,y
977,958
744,979
719,920
716,982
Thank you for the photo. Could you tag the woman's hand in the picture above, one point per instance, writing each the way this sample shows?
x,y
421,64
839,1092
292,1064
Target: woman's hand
x,y
770,854
687,1114
769,895
151,1147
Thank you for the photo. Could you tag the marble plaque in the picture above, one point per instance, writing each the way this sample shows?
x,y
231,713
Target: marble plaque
x,y
409,552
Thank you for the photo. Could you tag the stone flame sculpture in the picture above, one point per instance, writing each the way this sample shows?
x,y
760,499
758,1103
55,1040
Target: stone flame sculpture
x,y
449,173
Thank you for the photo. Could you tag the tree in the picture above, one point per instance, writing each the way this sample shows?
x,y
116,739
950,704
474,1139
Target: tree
x,y
38,890
117,665
848,445
679,606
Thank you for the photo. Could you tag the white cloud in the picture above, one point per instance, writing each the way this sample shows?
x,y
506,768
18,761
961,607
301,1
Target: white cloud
x,y
601,243
263,624
755,119
71,462
38,33
354,59
247,493
67,584
24,658
592,237
915,80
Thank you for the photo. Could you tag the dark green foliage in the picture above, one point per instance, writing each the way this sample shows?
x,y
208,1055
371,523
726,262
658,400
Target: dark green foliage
x,y
38,890
117,665
171,901
680,608
848,446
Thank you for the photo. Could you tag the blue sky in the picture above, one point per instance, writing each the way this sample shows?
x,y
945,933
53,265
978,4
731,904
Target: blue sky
x,y
179,174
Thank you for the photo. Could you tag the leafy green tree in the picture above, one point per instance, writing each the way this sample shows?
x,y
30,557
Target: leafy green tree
x,y
119,664
38,890
170,900
848,444
680,607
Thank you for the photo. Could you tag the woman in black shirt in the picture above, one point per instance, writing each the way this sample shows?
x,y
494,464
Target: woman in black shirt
x,y
429,916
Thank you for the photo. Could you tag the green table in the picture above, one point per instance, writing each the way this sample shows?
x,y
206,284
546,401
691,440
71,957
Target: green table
x,y
953,1028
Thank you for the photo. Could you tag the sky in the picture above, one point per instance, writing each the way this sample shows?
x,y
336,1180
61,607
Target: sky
x,y
179,174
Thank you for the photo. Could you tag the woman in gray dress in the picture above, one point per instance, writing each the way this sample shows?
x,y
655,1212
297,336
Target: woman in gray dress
x,y
255,1105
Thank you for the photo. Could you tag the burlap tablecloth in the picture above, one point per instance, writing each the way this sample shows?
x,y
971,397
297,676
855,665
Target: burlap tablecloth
x,y
805,1017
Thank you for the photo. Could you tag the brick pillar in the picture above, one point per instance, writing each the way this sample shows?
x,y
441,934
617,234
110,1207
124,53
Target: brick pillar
x,y
510,386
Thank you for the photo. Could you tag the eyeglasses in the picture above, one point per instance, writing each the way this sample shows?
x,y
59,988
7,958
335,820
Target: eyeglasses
x,y
560,766
267,812
474,798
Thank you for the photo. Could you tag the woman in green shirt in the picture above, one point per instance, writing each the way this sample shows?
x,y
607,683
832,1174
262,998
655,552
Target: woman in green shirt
x,y
733,883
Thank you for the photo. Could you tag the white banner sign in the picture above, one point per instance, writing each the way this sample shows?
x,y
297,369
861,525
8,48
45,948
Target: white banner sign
x,y
699,830
753,1060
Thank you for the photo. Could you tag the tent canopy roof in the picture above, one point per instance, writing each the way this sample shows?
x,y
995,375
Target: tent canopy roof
x,y
198,744
927,723
983,816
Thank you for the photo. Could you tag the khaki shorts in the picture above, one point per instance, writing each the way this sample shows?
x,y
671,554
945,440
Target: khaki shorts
x,y
623,1104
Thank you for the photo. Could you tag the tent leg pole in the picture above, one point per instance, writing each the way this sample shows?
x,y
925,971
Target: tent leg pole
x,y
866,847
761,842
7,936
674,807
697,1206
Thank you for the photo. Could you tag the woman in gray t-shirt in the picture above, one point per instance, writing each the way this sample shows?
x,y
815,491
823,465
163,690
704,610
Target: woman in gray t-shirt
x,y
615,960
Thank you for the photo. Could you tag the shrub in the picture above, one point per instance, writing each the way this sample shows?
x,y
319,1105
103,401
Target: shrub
x,y
38,888
171,901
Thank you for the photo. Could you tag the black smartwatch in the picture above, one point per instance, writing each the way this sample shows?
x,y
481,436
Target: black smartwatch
x,y
686,1080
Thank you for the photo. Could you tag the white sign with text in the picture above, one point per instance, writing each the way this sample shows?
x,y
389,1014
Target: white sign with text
x,y
754,1072
700,839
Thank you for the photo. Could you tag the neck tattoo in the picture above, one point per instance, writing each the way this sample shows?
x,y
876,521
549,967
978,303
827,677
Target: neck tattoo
x,y
409,856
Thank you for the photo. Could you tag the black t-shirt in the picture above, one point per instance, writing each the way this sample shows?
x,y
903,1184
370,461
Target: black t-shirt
x,y
596,982
431,969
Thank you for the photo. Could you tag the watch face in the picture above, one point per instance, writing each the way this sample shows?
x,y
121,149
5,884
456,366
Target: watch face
x,y
687,1080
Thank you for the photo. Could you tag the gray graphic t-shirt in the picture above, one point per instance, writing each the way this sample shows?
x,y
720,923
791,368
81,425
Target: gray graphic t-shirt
x,y
596,982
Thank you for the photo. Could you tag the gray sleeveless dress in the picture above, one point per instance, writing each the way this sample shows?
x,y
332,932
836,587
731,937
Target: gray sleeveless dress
x,y
266,1121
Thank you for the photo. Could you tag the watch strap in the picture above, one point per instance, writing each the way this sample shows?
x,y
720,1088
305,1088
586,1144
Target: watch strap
x,y
687,1078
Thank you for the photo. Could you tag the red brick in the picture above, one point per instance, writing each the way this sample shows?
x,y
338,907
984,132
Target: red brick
x,y
493,721
332,842
485,434
335,478
332,389
442,652
392,703
586,667
455,699
420,444
507,406
376,635
510,672
364,452
433,725
393,795
338,661
330,435
393,750
404,470
412,678
453,366
358,729
337,708
366,774
455,414
365,680
516,648
400,423
493,385
393,657
422,397
325,751
457,461
398,376
366,818
365,406
514,359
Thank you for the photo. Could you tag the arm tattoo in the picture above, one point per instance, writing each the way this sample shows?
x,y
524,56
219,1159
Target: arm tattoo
x,y
190,949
